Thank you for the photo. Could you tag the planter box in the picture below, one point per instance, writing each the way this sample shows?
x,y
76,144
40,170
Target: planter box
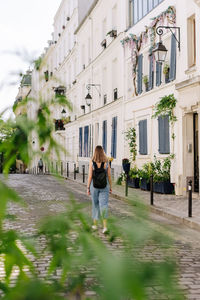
x,y
163,187
134,183
145,185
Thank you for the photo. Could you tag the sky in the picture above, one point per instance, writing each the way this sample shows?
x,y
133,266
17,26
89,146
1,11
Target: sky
x,y
25,28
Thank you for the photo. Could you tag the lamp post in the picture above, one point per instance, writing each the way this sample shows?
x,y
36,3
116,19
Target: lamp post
x,y
160,50
88,97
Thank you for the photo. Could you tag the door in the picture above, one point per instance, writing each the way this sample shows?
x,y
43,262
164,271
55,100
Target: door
x,y
196,154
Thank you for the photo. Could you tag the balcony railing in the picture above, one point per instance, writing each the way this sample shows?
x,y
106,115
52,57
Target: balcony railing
x,y
59,125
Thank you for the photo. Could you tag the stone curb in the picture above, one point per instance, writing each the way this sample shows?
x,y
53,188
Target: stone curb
x,y
157,210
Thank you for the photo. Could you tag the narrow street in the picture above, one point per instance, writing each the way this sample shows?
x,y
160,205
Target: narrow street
x,y
45,195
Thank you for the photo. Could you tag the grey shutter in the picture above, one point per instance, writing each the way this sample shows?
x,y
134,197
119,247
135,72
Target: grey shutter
x,y
143,137
151,73
115,144
163,134
139,74
172,71
158,73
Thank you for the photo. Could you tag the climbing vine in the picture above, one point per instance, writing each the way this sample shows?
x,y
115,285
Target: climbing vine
x,y
130,136
135,42
165,107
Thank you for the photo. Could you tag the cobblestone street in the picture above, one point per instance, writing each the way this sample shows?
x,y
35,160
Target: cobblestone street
x,y
45,195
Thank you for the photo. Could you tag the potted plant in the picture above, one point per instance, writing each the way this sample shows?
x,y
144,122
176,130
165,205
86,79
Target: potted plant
x,y
146,82
134,178
126,165
112,33
162,182
166,69
145,173
103,43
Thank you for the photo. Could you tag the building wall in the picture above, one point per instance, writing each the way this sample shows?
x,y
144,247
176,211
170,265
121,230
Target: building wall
x,y
78,59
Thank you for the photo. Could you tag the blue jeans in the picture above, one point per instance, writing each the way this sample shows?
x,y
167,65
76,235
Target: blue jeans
x,y
99,202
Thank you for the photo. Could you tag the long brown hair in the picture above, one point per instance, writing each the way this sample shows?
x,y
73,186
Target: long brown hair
x,y
99,155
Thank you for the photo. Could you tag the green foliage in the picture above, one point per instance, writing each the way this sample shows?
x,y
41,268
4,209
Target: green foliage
x,y
130,136
145,79
37,63
121,178
165,107
166,69
134,172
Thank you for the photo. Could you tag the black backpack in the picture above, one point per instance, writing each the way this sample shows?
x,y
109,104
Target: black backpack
x,y
99,176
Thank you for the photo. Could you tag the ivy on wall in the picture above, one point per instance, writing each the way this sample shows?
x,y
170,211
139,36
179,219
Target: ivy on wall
x,y
135,42
130,136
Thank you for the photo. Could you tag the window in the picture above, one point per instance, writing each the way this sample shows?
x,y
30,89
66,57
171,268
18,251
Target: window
x,y
163,135
114,138
143,137
115,96
86,135
104,99
80,141
104,136
191,24
139,74
139,8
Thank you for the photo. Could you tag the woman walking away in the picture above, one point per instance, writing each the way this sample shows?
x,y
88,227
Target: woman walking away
x,y
99,185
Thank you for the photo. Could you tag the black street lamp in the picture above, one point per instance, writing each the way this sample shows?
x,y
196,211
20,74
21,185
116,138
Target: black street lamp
x,y
88,97
160,50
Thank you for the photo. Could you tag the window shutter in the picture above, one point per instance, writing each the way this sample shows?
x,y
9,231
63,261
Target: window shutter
x,y
139,75
143,137
140,137
114,137
115,144
151,73
86,131
158,73
163,133
104,137
80,141
172,71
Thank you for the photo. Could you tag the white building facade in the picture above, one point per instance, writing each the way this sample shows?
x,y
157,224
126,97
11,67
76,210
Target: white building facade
x,y
106,46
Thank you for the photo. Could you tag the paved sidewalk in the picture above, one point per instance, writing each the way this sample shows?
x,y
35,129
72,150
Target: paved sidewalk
x,y
171,206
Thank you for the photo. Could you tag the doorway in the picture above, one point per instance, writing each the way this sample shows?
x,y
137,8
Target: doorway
x,y
196,153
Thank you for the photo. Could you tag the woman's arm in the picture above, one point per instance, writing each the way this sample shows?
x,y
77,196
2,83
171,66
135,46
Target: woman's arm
x,y
89,178
109,178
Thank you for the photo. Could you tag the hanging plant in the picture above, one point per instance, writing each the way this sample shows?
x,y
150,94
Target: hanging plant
x,y
130,136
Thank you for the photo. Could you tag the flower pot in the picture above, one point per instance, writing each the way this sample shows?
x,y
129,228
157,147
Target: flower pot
x,y
134,182
163,187
146,87
145,185
126,167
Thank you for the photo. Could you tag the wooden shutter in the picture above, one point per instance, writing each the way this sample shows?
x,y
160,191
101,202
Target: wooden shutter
x,y
158,73
172,71
151,73
143,149
80,141
104,137
114,137
163,135
139,74
86,131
